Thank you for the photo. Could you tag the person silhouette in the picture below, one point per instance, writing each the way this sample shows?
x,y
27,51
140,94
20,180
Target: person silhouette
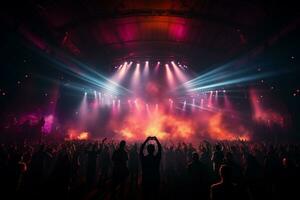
x,y
133,164
224,189
150,168
198,178
217,158
120,169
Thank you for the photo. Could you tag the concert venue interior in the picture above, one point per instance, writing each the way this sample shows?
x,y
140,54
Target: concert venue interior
x,y
77,77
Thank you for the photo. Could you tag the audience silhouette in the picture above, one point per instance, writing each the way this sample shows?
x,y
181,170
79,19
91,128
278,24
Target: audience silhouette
x,y
150,168
72,169
224,189
120,169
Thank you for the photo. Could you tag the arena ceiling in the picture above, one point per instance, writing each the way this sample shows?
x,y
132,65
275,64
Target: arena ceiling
x,y
200,33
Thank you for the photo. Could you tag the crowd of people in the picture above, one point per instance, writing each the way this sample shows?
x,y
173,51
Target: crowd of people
x,y
151,170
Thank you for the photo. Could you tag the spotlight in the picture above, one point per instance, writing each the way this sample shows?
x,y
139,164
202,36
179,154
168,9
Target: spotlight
x,y
85,93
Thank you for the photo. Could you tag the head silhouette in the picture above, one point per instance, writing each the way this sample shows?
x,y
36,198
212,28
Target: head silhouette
x,y
195,157
150,149
122,144
229,157
218,147
225,173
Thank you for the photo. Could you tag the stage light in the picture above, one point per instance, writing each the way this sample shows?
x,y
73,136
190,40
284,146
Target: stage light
x,y
135,77
87,74
146,69
129,66
226,75
209,104
181,77
157,67
85,93
119,104
184,105
147,109
170,77
137,105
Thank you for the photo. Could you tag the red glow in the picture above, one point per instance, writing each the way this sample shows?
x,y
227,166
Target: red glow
x,y
262,115
217,129
156,123
73,134
167,125
178,31
152,88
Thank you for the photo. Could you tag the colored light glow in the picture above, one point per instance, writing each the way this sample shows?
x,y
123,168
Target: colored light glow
x,y
184,106
49,120
157,67
207,105
146,69
266,116
135,77
83,72
166,125
218,130
155,125
170,77
73,134
179,74
83,136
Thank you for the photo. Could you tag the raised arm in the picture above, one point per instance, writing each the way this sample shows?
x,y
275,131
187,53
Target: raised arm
x,y
158,146
143,146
